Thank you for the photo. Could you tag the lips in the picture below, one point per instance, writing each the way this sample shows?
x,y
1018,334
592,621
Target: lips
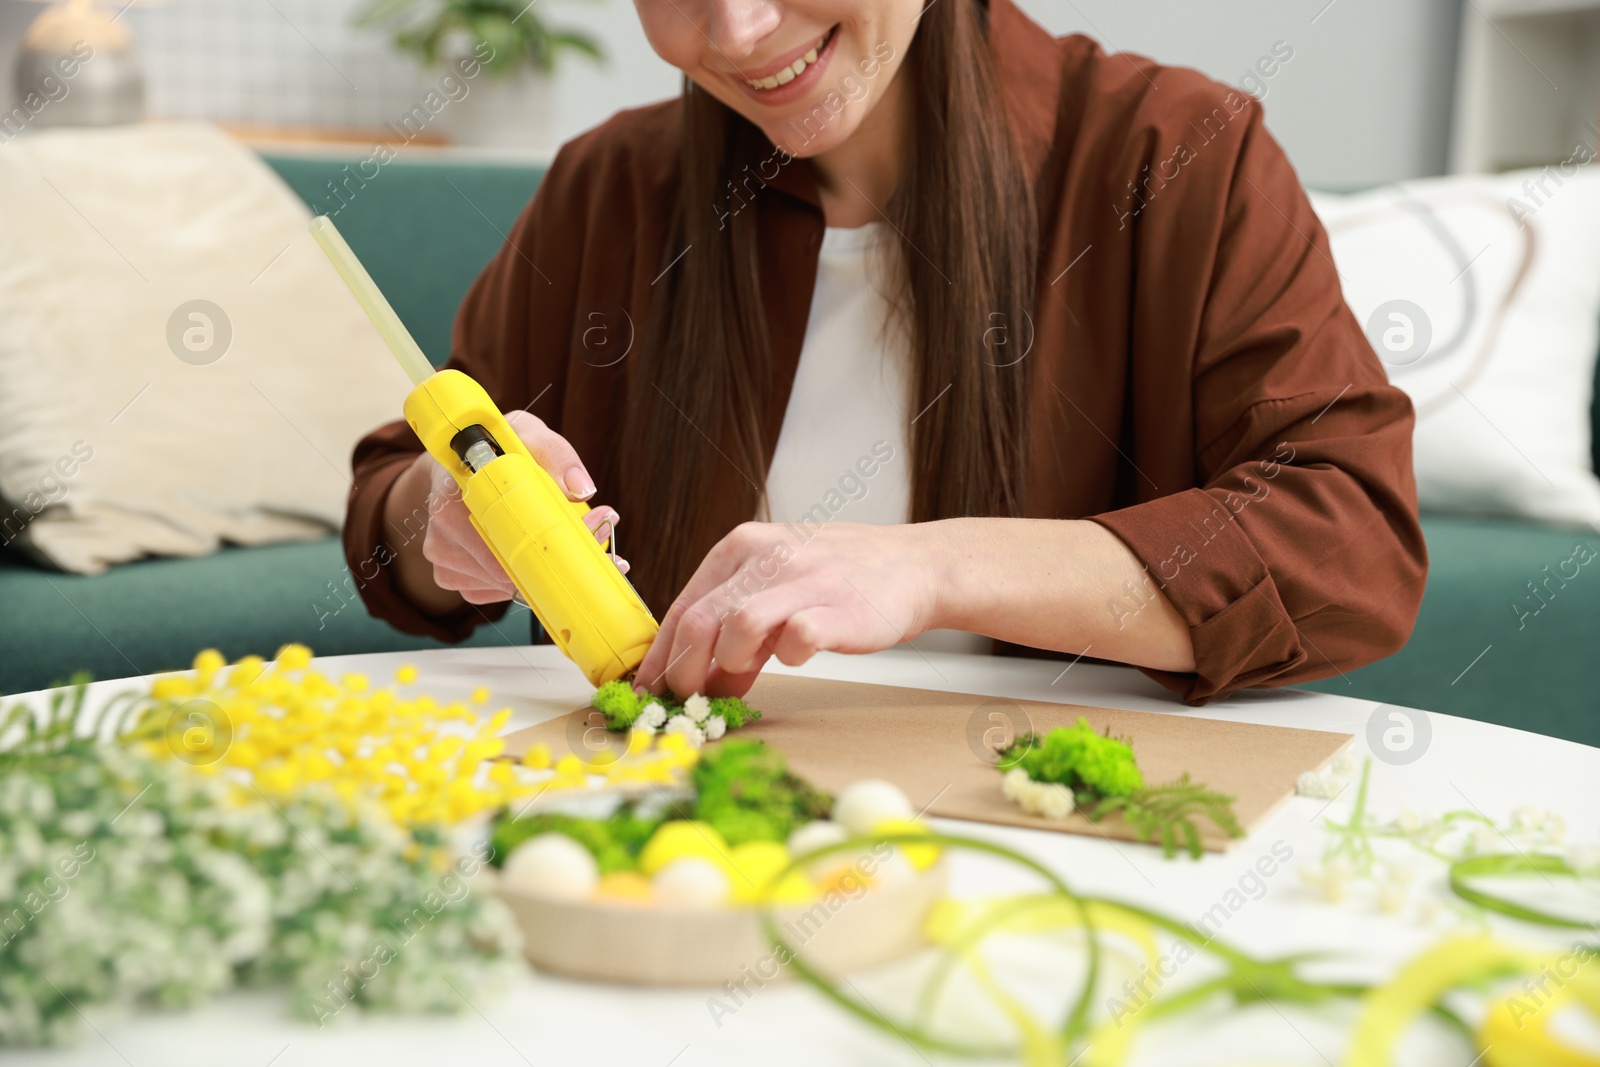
x,y
788,72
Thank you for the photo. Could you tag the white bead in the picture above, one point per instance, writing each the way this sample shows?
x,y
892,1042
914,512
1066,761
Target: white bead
x,y
552,866
691,882
815,835
863,805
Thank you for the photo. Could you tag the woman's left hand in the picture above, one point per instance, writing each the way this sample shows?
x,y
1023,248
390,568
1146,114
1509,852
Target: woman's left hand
x,y
763,592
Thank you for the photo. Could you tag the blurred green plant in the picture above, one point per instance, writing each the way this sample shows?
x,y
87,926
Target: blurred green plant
x,y
519,37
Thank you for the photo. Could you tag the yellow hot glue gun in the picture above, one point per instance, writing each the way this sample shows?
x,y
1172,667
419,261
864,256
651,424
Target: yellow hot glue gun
x,y
584,602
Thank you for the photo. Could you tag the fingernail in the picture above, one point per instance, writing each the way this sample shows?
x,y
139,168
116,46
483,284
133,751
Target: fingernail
x,y
623,565
578,483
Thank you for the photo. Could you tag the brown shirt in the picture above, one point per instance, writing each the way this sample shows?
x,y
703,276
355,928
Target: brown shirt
x,y
1201,388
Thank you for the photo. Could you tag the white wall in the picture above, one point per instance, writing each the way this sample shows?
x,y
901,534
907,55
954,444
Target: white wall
x,y
1365,99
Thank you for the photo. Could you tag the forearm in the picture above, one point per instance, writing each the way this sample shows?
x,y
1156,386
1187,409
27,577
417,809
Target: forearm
x,y
1069,585
413,573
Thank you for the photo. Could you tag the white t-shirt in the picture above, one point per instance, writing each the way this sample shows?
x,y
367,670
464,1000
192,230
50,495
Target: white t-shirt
x,y
843,452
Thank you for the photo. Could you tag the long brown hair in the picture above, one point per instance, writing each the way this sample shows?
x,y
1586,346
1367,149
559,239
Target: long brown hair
x,y
968,261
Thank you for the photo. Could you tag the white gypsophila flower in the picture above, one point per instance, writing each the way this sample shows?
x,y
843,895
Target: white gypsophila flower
x,y
1554,827
640,727
1320,786
654,715
1585,859
1335,881
1400,874
1345,765
181,878
1013,782
697,707
681,724
715,727
1054,800
1391,899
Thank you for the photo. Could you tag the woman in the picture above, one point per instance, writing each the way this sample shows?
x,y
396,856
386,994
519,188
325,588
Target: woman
x,y
1004,335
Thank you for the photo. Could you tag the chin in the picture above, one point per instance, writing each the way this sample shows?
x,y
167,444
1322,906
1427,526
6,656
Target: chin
x,y
794,141
822,106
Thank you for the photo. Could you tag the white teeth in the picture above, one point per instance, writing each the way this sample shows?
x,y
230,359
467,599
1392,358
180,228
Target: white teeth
x,y
794,70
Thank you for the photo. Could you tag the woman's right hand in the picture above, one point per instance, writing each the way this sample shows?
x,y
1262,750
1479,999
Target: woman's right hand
x,y
451,552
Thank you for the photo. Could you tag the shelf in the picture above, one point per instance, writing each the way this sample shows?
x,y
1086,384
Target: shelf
x,y
1528,84
1515,9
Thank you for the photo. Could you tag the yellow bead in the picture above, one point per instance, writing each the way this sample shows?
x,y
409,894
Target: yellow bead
x,y
480,695
920,856
406,675
537,757
793,888
679,838
624,887
756,864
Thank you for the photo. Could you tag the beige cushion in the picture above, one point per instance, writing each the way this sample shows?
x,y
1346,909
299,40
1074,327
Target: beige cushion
x,y
113,445
1481,294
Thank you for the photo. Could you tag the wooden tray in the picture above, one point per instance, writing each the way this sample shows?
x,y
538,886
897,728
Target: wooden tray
x,y
930,744
643,945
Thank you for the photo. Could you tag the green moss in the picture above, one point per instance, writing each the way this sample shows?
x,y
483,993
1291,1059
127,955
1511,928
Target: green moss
x,y
614,843
1078,758
734,712
618,702
745,790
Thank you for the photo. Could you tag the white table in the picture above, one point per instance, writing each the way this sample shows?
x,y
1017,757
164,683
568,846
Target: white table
x,y
549,1021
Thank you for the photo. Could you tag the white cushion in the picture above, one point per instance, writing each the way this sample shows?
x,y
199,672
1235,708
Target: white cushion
x,y
1482,296
104,235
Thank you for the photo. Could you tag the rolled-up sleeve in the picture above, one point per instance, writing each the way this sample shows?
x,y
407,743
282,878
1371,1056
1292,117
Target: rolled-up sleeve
x,y
1298,554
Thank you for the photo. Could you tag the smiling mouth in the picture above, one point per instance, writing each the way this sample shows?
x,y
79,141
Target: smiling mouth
x,y
795,69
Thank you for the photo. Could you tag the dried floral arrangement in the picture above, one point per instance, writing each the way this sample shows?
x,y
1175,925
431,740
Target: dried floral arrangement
x,y
1073,768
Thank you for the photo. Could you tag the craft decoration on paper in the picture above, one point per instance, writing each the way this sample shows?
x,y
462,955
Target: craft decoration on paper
x,y
940,750
1074,768
698,719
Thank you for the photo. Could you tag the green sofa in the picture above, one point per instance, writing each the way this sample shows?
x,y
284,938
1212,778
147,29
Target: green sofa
x,y
425,229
